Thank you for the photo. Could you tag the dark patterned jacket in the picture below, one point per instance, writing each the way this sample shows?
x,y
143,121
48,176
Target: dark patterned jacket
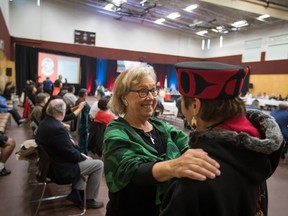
x,y
246,162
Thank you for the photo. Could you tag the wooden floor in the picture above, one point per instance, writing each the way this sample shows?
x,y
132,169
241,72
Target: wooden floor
x,y
17,193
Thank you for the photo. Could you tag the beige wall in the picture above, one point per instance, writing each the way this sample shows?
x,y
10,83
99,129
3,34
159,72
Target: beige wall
x,y
276,83
4,63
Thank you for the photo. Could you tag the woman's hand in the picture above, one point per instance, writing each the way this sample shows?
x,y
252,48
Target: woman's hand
x,y
194,164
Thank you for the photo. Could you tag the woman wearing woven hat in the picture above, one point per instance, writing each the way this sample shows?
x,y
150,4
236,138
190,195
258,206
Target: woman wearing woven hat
x,y
245,143
142,153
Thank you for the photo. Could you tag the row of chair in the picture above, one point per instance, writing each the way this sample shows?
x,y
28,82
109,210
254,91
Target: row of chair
x,y
5,122
39,163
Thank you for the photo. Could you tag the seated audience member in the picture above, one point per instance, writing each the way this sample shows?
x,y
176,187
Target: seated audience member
x,y
180,114
103,116
63,91
4,107
255,105
247,145
8,90
30,98
281,117
273,97
35,115
97,129
67,163
280,98
70,98
7,144
159,109
31,94
39,88
57,85
71,113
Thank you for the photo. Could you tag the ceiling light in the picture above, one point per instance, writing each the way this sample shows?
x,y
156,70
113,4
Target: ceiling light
x,y
191,8
160,21
219,28
262,17
174,15
143,2
118,2
240,23
201,33
196,23
214,30
109,7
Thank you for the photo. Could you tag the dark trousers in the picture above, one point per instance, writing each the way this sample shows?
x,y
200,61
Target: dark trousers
x,y
48,91
15,115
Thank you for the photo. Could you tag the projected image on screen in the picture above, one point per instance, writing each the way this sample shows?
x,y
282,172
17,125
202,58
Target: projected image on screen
x,y
50,65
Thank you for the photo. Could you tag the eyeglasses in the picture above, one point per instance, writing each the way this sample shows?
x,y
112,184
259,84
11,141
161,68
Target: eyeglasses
x,y
144,92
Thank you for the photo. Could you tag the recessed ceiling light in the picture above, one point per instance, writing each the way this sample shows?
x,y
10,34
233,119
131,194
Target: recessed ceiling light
x,y
201,33
174,15
262,17
191,8
109,7
240,23
160,21
118,2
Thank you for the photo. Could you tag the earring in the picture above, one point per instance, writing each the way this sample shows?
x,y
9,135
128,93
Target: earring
x,y
125,102
193,123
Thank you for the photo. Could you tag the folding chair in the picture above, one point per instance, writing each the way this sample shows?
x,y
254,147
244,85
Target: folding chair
x,y
42,179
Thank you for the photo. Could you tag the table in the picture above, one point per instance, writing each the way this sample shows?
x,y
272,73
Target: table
x,y
263,102
170,107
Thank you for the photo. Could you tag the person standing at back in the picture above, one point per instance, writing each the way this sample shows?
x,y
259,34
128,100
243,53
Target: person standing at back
x,y
82,122
47,85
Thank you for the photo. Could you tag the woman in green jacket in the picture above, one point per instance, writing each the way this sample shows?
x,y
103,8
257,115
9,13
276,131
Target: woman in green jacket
x,y
142,153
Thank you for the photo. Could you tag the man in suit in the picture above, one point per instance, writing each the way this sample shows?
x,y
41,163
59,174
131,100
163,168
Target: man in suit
x,y
67,163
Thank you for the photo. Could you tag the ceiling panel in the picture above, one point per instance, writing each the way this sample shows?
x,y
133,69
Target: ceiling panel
x,y
209,15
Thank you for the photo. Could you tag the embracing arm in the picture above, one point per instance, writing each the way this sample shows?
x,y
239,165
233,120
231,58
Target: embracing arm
x,y
194,164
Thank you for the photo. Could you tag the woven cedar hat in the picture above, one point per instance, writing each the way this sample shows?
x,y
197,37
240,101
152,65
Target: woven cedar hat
x,y
210,80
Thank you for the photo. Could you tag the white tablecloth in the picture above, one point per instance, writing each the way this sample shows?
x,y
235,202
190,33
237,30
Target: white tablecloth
x,y
263,102
171,107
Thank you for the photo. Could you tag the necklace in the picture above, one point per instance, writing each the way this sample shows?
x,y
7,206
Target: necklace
x,y
150,136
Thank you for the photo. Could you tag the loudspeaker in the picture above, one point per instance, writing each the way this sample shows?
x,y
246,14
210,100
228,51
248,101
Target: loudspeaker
x,y
250,85
8,72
